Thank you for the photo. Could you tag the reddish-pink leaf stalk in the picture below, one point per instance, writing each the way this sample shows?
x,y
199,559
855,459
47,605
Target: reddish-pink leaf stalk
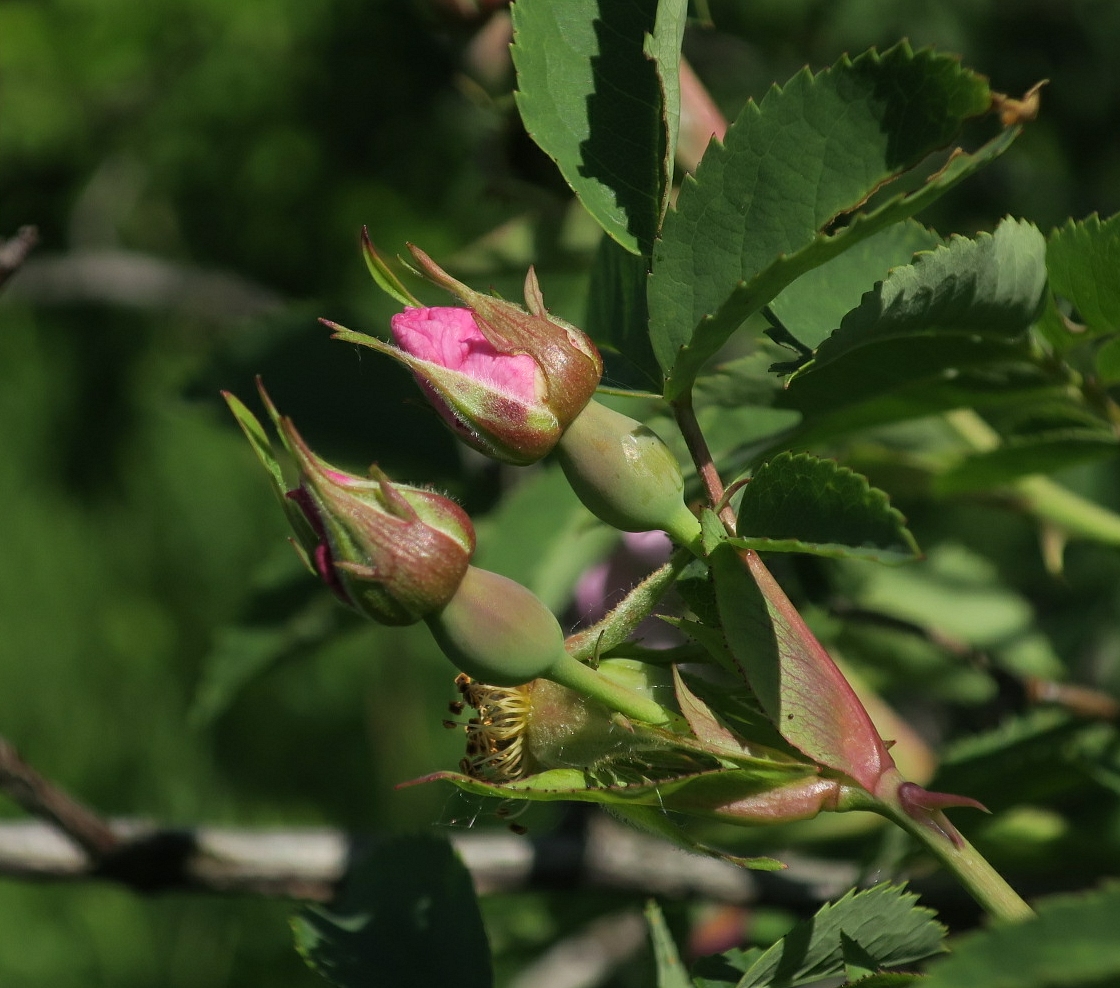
x,y
832,726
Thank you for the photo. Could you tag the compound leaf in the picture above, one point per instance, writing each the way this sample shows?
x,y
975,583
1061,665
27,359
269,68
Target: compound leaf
x,y
763,207
1083,260
883,926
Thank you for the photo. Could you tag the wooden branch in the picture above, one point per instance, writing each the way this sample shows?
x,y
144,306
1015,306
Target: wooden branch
x,y
13,252
110,276
69,842
308,863
47,801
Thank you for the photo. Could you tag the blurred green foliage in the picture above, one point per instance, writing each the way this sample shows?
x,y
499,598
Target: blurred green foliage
x,y
144,575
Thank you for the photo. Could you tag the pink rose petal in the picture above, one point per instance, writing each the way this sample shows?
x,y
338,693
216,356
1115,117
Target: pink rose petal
x,y
450,337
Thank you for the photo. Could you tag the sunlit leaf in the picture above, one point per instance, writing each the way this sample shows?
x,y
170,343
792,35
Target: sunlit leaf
x,y
594,96
990,287
884,925
762,209
812,307
796,682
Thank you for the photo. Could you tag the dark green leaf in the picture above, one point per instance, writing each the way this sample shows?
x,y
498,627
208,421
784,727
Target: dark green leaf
x,y
670,970
798,503
883,924
618,319
814,304
1083,260
592,97
761,209
1072,943
407,915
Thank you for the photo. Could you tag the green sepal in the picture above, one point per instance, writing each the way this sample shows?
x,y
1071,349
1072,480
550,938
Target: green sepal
x,y
384,275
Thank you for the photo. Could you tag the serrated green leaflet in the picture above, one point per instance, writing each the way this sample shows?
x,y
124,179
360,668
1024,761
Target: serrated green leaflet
x,y
798,503
760,209
991,286
884,926
406,915
594,94
814,304
1083,260
1072,943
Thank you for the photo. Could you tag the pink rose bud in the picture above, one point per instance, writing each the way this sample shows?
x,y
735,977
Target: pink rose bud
x,y
392,552
508,381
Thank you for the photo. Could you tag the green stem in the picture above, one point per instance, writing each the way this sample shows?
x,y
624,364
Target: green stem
x,y
986,885
1039,495
570,672
1071,512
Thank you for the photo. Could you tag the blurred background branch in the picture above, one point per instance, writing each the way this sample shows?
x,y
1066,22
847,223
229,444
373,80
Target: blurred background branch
x,y
14,251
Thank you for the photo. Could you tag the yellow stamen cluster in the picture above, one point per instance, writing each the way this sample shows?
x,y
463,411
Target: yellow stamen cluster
x,y
496,736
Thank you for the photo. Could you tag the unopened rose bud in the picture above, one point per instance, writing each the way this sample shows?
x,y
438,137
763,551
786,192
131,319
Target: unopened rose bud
x,y
625,474
392,552
508,381
497,631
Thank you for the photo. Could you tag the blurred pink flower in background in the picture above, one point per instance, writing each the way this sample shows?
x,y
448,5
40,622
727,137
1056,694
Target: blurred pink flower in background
x,y
602,586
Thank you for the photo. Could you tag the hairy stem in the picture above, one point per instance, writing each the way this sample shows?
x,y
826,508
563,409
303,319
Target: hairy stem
x,y
635,607
582,679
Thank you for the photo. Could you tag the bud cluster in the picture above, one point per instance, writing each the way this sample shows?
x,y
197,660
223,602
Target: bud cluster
x,y
517,383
